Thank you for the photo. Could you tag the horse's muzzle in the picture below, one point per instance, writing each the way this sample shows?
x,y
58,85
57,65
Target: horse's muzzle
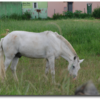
x,y
74,77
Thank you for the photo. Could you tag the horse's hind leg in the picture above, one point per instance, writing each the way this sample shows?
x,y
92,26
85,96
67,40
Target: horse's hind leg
x,y
47,67
13,67
7,62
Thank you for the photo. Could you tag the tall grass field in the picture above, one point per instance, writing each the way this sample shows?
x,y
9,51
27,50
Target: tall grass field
x,y
84,36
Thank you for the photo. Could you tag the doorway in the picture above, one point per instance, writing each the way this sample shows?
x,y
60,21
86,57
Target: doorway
x,y
89,8
70,6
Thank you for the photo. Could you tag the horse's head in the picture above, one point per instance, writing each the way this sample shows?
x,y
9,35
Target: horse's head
x,y
74,66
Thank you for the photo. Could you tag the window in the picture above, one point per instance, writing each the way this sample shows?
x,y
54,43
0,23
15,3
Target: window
x,y
65,8
35,5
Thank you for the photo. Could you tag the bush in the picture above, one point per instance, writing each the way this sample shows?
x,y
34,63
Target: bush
x,y
77,13
84,15
26,15
4,17
55,16
15,16
49,18
68,14
58,16
96,13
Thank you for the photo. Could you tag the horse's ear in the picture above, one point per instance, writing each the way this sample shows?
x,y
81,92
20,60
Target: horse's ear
x,y
81,60
74,57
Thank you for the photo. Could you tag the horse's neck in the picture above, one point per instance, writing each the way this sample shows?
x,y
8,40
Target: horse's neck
x,y
67,53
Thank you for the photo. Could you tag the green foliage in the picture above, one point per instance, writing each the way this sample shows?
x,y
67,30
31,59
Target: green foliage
x,y
39,18
25,16
96,13
49,18
69,14
77,14
58,16
15,16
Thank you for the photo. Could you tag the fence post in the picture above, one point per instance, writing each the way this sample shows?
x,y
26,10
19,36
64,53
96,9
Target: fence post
x,y
54,11
84,10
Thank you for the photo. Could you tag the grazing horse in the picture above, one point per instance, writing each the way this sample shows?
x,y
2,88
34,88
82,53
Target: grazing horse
x,y
49,45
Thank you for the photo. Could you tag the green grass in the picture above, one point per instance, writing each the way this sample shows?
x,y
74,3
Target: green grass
x,y
84,35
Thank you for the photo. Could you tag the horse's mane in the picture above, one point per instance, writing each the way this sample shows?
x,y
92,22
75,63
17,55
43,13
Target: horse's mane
x,y
63,39
66,42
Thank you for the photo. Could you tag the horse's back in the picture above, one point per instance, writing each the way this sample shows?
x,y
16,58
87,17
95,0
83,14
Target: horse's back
x,y
46,36
31,44
31,35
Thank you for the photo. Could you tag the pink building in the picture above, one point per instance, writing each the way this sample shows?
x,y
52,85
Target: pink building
x,y
60,7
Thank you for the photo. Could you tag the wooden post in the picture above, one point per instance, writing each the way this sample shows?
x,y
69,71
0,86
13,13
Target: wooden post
x,y
84,10
38,10
38,14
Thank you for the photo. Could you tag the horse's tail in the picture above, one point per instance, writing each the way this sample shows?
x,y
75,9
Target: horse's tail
x,y
2,67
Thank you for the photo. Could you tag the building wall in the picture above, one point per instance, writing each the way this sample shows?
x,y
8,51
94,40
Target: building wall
x,y
47,8
9,8
55,7
60,7
83,6
28,6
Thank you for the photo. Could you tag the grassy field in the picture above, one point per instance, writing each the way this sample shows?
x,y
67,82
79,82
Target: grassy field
x,y
84,35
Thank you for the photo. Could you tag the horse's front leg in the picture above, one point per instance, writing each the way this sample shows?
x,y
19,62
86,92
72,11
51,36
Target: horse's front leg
x,y
52,67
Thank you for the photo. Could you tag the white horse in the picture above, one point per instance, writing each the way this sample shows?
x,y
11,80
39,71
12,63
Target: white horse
x,y
49,45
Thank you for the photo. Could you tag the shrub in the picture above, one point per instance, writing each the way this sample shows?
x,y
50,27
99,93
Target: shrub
x,y
77,13
56,16
26,15
4,17
49,18
96,13
40,18
15,16
84,15
69,14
